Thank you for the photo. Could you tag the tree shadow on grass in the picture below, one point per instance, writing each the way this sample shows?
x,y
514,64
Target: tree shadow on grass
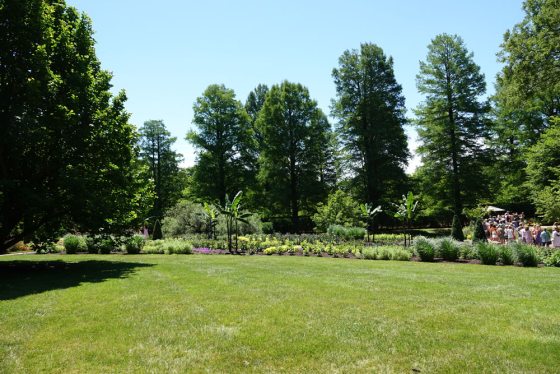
x,y
21,278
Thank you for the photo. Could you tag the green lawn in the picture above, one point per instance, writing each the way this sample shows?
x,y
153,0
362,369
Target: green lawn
x,y
160,314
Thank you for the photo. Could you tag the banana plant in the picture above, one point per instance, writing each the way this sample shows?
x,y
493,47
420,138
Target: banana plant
x,y
211,214
369,213
232,212
406,212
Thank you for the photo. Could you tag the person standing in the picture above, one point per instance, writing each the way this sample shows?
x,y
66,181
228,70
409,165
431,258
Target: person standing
x,y
556,237
537,235
545,238
510,234
526,236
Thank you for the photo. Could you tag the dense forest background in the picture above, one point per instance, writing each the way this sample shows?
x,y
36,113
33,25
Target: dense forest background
x,y
71,161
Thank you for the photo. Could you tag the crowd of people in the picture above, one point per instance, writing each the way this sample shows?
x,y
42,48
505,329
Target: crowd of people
x,y
513,227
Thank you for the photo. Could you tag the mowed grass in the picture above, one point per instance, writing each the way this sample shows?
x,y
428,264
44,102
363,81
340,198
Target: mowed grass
x,y
164,314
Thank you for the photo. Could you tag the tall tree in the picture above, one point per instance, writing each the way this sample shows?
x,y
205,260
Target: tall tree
x,y
295,133
451,121
371,113
225,144
527,96
155,150
67,151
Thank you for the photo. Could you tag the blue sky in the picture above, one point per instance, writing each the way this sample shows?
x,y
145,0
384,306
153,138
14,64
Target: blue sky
x,y
165,53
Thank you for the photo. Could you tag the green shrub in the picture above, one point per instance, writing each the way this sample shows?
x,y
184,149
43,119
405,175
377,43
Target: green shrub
x,y
399,254
478,233
488,253
448,249
168,246
553,259
74,243
507,255
457,229
134,244
267,228
424,248
106,245
157,233
347,233
92,244
526,254
467,251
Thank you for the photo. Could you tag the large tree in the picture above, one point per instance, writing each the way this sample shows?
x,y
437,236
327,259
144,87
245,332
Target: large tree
x,y
67,151
371,113
527,96
451,123
225,145
293,153
156,151
543,170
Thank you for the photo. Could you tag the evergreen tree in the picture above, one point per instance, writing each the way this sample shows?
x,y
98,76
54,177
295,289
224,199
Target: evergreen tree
x,y
225,144
371,113
293,153
451,123
163,163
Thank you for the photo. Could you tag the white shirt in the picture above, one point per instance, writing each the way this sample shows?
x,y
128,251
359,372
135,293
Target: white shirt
x,y
556,239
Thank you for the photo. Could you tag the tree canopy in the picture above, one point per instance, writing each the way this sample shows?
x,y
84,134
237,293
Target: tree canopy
x,y
371,113
451,123
67,152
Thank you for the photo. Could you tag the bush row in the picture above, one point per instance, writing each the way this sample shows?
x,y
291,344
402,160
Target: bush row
x,y
102,244
488,253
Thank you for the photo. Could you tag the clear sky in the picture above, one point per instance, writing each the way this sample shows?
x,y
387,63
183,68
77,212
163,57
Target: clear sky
x,y
165,53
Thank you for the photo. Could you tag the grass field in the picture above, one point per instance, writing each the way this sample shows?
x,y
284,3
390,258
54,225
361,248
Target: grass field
x,y
163,314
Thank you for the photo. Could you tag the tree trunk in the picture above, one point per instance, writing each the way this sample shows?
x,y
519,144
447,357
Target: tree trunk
x,y
456,186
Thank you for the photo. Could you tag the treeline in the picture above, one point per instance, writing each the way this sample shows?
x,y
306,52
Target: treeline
x,y
71,161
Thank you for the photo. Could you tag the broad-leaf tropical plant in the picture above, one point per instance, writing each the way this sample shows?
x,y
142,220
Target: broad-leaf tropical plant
x,y
232,212
406,212
210,213
369,213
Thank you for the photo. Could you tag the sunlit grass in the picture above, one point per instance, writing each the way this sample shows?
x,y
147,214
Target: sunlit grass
x,y
151,313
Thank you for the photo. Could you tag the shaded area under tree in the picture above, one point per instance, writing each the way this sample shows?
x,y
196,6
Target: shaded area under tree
x,y
21,278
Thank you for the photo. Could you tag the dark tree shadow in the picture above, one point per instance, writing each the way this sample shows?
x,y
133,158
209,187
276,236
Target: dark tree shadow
x,y
21,278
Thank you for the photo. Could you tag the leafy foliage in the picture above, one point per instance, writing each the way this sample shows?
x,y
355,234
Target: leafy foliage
x,y
451,123
74,243
294,151
347,233
371,113
341,209
478,233
163,164
526,254
448,249
457,229
488,253
134,244
424,248
68,152
224,143
543,170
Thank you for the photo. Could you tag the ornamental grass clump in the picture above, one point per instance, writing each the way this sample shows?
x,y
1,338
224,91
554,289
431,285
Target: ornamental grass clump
x,y
507,255
134,244
526,254
448,249
488,253
424,248
347,233
74,243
